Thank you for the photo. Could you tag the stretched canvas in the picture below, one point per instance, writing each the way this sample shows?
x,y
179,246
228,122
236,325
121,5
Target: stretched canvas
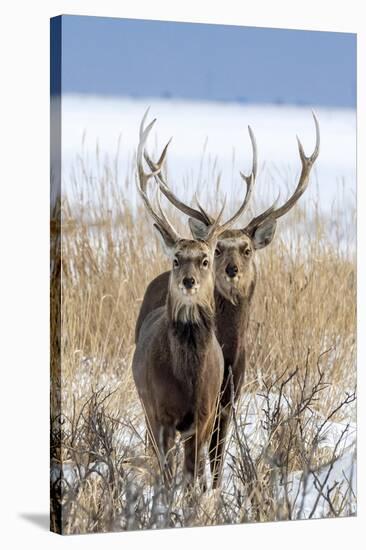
x,y
203,275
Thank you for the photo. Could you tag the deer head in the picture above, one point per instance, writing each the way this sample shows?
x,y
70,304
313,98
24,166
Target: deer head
x,y
191,284
236,248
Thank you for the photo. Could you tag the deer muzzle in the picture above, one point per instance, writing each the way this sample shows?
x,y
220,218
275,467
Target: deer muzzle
x,y
189,286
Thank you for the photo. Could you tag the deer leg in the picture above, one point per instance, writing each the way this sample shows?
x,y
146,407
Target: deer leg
x,y
201,474
150,442
217,444
169,440
193,460
165,437
233,380
160,440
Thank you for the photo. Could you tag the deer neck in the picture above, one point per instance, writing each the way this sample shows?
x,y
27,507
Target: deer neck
x,y
190,336
190,326
232,323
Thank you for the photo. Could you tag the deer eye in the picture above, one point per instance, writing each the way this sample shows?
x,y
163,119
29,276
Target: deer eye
x,y
247,252
175,263
205,263
217,252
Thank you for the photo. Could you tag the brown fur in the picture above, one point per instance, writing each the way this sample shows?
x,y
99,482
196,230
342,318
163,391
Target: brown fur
x,y
178,362
232,305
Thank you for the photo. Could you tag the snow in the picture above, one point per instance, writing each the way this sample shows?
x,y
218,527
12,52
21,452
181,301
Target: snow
x,y
302,489
251,416
340,477
94,369
212,137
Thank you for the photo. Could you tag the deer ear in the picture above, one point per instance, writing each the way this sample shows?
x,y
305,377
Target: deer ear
x,y
166,240
264,233
198,229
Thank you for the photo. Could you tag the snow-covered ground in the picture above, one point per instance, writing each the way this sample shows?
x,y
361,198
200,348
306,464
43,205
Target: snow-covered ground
x,y
219,129
307,493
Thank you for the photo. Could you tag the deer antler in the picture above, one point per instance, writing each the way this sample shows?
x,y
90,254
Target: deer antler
x,y
161,220
201,215
165,189
307,164
249,180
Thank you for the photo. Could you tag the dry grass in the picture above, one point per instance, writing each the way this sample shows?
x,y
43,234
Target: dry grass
x,y
301,363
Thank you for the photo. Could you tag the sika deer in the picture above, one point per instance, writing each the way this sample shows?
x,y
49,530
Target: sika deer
x,y
234,283
178,362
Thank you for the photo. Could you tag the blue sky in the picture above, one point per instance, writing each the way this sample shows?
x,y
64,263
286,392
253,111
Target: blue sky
x,y
121,57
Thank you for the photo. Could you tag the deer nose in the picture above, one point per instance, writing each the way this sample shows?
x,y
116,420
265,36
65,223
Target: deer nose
x,y
231,270
189,282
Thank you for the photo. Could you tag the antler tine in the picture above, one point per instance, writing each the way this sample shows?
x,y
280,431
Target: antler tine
x,y
157,166
142,123
143,135
261,217
253,174
209,218
216,228
307,164
249,180
144,177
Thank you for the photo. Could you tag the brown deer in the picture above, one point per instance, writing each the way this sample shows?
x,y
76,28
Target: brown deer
x,y
178,362
234,283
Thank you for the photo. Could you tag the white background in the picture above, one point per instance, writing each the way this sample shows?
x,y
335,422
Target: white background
x,y
24,172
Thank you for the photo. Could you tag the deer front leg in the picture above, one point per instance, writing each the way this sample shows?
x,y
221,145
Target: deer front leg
x,y
232,383
217,444
160,440
194,464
